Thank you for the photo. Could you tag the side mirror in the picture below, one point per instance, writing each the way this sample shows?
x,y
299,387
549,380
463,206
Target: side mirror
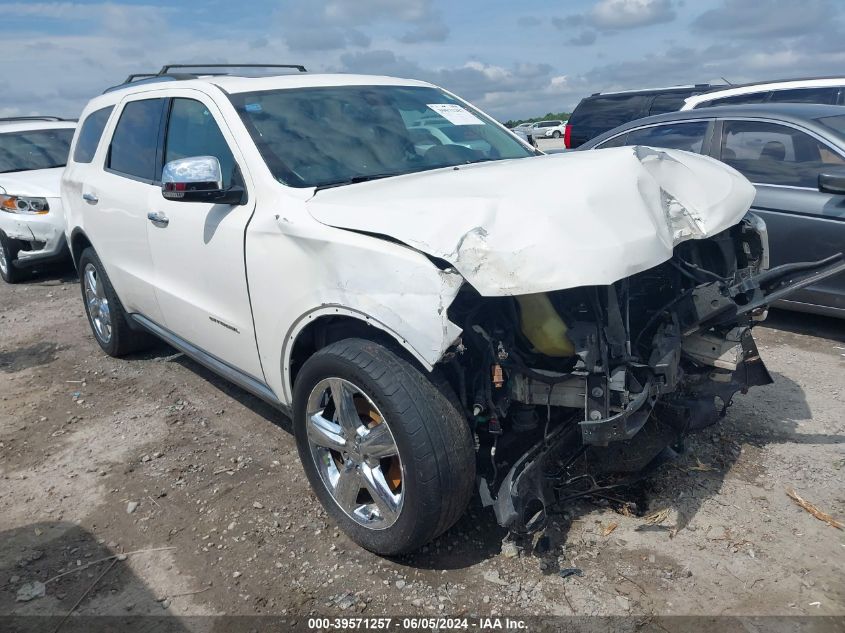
x,y
832,181
198,179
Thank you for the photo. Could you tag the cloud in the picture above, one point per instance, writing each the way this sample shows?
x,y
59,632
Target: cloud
x,y
629,14
57,55
114,17
766,18
341,25
607,16
427,32
585,38
493,87
322,38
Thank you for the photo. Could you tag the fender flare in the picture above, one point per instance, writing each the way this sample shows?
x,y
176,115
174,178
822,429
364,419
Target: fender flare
x,y
331,309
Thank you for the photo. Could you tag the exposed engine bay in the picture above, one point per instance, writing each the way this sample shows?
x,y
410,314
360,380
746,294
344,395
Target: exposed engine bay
x,y
580,391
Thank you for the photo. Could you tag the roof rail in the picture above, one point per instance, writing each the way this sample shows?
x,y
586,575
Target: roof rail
x,y
8,119
165,70
136,76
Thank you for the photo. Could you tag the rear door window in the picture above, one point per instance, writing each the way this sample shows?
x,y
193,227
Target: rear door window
x,y
89,135
768,153
753,97
135,140
688,136
827,96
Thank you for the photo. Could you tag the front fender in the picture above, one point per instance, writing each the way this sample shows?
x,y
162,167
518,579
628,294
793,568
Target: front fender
x,y
299,271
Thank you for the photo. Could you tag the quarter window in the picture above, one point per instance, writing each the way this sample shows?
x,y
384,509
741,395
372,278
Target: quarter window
x,y
685,136
752,97
668,102
89,135
192,131
768,153
806,95
135,140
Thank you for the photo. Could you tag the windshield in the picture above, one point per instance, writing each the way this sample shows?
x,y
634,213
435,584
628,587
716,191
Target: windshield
x,y
34,149
336,135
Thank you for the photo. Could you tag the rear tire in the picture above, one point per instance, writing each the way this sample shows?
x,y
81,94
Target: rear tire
x,y
556,134
106,315
8,254
429,488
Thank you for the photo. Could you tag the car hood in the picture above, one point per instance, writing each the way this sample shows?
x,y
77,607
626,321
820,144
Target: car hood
x,y
43,183
589,218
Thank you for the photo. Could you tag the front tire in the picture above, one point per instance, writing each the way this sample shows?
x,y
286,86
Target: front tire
x,y
8,253
387,454
106,315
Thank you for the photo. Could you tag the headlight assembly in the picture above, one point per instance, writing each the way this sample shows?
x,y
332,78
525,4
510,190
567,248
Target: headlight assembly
x,y
24,204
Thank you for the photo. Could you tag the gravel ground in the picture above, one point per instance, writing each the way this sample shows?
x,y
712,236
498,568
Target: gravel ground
x,y
154,455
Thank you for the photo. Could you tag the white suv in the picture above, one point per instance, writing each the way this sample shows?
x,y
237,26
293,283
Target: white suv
x,y
431,326
548,129
33,153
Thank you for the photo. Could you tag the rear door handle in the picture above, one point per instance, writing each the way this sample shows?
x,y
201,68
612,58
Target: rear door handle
x,y
90,197
158,218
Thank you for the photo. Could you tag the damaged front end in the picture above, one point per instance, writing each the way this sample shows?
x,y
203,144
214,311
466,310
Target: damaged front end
x,y
579,391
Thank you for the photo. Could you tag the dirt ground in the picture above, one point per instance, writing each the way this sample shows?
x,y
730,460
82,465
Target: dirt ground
x,y
154,455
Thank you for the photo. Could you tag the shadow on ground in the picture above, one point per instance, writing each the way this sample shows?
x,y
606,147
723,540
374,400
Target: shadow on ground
x,y
57,576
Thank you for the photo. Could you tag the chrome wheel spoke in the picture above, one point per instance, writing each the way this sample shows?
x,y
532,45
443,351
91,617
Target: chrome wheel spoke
x,y
325,433
344,404
375,483
98,304
347,488
348,455
378,443
91,281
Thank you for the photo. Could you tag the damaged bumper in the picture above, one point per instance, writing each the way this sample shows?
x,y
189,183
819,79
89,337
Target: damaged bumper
x,y
702,354
41,237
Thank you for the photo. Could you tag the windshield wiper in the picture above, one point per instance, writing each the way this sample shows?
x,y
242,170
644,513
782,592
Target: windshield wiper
x,y
354,180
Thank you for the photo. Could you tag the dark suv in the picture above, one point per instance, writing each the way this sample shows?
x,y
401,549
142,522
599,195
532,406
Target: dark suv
x,y
601,112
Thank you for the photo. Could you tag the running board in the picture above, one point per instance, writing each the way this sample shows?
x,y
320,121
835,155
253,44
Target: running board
x,y
219,367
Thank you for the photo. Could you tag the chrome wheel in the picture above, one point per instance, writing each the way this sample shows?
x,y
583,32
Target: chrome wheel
x,y
4,266
98,304
355,453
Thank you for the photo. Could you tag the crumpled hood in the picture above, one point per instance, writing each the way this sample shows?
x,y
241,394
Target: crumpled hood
x,y
42,183
550,222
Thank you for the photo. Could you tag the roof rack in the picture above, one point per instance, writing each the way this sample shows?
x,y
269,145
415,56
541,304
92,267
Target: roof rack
x,y
9,119
166,72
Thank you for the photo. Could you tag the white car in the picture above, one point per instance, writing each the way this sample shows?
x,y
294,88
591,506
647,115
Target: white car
x,y
33,153
823,90
431,326
548,129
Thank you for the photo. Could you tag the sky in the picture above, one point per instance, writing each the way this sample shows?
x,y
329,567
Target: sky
x,y
513,59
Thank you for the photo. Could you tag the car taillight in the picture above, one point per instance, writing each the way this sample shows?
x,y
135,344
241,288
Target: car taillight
x,y
567,136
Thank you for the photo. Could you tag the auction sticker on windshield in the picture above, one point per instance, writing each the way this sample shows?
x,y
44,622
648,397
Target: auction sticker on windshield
x,y
455,114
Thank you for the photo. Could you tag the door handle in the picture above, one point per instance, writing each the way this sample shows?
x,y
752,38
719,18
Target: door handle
x,y
158,218
90,197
